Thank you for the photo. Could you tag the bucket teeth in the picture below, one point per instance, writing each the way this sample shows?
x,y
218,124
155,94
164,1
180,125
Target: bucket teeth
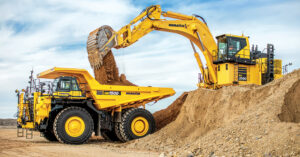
x,y
99,43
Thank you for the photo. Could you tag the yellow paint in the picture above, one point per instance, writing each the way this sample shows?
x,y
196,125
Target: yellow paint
x,y
225,76
42,108
277,69
139,126
20,107
127,97
74,126
28,125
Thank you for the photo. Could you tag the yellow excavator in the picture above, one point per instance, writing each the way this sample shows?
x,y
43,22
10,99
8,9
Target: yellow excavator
x,y
228,62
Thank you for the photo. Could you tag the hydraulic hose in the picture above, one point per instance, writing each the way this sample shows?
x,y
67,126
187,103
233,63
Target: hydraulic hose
x,y
148,11
198,16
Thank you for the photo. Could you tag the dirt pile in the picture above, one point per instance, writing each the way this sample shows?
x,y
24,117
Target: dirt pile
x,y
291,108
233,121
168,115
109,73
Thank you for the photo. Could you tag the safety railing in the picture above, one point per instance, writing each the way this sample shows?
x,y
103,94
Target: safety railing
x,y
242,57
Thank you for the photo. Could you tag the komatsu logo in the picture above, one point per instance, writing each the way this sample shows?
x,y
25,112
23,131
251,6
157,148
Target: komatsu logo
x,y
177,25
99,92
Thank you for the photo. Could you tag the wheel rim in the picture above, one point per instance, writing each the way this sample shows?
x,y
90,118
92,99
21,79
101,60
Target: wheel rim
x,y
139,126
74,126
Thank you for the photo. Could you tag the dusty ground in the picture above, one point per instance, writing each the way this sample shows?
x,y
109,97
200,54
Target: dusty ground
x,y
12,146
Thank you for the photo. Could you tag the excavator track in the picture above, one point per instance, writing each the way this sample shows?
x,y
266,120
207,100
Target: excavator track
x,y
99,43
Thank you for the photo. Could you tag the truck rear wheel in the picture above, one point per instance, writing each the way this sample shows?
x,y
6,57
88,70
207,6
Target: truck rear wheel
x,y
73,125
109,135
136,123
118,132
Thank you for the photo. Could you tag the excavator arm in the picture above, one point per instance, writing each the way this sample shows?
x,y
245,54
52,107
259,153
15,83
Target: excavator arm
x,y
104,38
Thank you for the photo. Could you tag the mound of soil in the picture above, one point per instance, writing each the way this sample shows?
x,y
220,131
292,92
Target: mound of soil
x,y
233,121
168,115
291,108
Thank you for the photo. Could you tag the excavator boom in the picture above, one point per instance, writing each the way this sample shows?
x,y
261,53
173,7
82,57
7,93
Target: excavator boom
x,y
103,39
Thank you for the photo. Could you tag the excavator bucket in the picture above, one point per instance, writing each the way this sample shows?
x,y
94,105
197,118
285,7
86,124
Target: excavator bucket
x,y
100,42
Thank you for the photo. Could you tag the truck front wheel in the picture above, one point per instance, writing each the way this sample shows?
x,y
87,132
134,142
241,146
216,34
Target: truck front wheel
x,y
49,135
136,123
73,125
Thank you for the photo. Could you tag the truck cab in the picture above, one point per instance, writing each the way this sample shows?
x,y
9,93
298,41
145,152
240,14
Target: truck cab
x,y
66,86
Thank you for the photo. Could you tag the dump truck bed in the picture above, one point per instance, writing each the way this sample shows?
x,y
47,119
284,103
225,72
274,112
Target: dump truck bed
x,y
110,96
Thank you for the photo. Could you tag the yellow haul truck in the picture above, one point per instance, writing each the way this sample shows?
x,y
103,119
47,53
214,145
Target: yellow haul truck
x,y
75,105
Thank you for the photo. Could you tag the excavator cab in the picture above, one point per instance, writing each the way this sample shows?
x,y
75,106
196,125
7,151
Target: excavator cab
x,y
66,86
233,48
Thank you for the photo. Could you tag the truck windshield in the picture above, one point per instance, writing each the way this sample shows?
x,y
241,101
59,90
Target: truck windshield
x,y
65,85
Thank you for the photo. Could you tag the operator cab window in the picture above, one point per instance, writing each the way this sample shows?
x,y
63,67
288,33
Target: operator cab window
x,y
65,85
222,48
75,85
55,84
235,45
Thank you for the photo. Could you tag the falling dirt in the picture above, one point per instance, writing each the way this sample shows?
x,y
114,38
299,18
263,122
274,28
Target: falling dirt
x,y
108,73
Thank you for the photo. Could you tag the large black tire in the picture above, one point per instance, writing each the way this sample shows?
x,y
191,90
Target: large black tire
x,y
60,121
109,135
118,132
49,135
128,118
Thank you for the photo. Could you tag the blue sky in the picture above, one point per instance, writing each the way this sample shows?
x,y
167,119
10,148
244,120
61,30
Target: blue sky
x,y
43,34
